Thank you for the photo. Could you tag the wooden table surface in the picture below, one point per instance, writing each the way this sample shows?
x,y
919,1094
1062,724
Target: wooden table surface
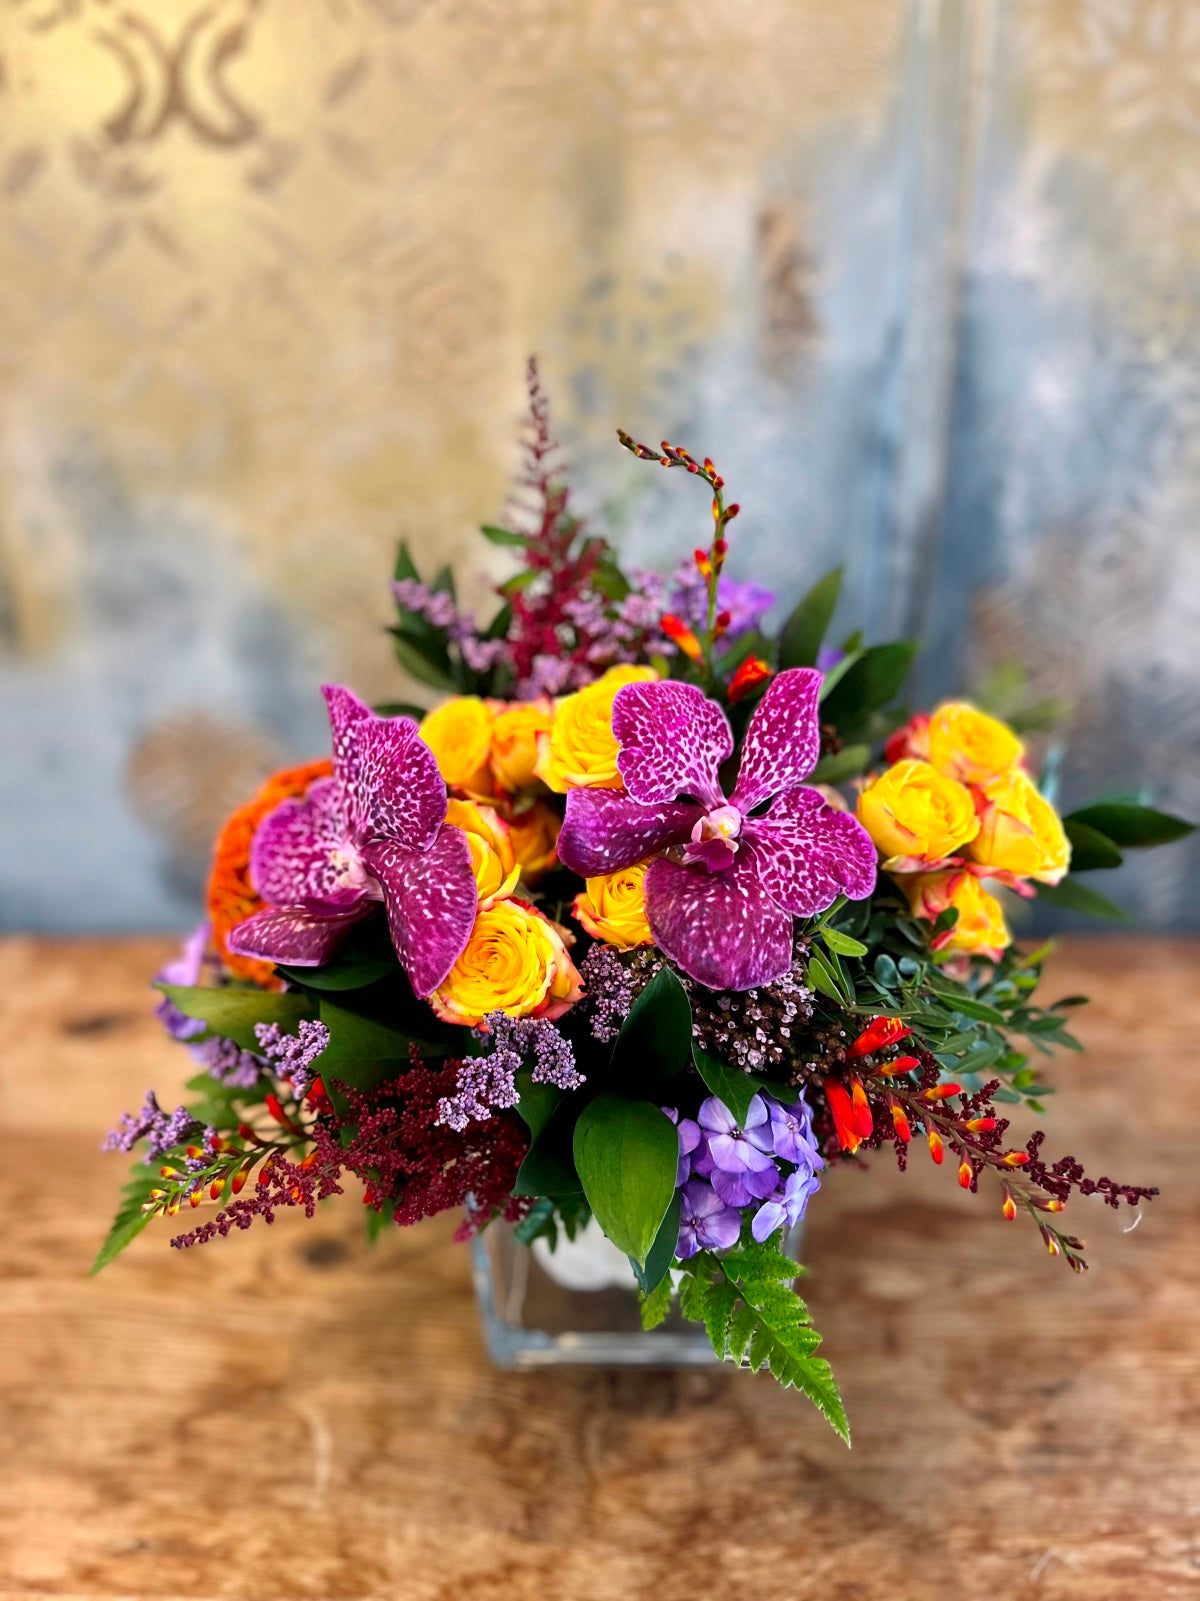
x,y
288,1413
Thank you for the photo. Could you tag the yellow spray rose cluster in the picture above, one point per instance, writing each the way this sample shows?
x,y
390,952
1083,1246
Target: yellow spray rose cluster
x,y
487,752
954,808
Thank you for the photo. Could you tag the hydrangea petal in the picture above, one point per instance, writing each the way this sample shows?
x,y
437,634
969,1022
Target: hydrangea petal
x,y
403,792
606,830
806,854
294,935
431,901
291,858
722,929
673,740
783,740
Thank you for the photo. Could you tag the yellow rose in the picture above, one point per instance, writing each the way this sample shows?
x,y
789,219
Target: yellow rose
x,y
1020,831
460,735
534,835
514,750
612,908
580,752
916,815
515,962
495,866
968,745
980,930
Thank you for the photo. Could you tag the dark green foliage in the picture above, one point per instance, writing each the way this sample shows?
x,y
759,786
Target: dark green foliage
x,y
803,633
130,1219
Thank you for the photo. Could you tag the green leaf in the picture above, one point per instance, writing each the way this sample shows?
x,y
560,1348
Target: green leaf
x,y
847,763
657,1304
414,660
968,1006
842,943
443,582
352,969
130,1219
405,566
1089,847
548,1168
873,680
658,1031
538,1102
729,1084
232,1013
400,708
1077,896
503,536
821,978
1131,826
837,672
518,581
626,1154
362,1051
801,636
662,1252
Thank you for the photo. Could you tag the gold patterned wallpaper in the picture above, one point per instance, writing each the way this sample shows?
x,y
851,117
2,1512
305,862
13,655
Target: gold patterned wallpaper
x,y
270,269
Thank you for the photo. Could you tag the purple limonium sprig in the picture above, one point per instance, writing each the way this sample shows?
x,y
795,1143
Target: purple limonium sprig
x,y
489,1083
742,867
162,1131
375,831
228,1063
293,1055
706,1222
440,609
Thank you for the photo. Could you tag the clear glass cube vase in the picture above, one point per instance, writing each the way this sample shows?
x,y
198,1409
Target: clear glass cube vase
x,y
575,1306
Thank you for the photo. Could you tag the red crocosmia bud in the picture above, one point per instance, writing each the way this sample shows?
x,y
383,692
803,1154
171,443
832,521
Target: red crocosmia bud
x,y
899,1121
752,671
898,1064
675,629
1016,1158
721,622
965,1174
721,549
1008,1206
981,1125
195,1197
732,511
935,1146
942,1092
863,1121
842,1108
880,1031
703,563
1052,1205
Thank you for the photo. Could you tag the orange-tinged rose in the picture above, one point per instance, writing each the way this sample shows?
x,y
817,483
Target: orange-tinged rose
x,y
492,859
514,748
980,930
916,815
516,961
580,752
1019,832
460,735
971,746
534,835
911,740
612,908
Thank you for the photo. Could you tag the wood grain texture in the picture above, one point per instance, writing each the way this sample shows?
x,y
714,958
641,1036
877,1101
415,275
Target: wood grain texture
x,y
290,1414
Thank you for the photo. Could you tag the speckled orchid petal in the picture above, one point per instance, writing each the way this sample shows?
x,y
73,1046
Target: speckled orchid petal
x,y
347,717
389,776
722,929
783,740
673,740
291,858
403,793
606,830
807,854
431,900
295,935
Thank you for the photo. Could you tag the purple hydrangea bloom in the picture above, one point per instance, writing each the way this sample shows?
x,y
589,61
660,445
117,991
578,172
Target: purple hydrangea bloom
x,y
373,832
786,1206
722,907
706,1223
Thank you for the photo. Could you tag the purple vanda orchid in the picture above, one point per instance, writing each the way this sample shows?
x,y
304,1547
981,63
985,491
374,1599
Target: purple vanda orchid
x,y
721,905
375,831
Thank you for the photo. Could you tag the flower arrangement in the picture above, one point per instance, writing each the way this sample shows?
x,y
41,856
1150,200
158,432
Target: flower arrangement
x,y
656,919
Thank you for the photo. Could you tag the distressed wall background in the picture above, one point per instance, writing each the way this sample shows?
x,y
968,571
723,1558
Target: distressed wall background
x,y
920,275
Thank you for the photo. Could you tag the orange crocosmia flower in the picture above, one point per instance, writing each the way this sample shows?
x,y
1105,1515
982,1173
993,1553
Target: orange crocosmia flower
x,y
851,1113
231,896
880,1031
752,672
